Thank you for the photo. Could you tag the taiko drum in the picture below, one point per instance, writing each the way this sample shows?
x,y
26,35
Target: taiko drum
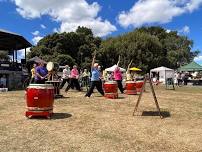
x,y
39,100
139,85
131,87
111,89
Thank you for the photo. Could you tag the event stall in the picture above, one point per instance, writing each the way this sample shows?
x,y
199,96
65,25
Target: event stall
x,y
111,69
162,73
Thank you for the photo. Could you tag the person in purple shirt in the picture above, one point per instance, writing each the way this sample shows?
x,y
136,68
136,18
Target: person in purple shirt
x,y
41,74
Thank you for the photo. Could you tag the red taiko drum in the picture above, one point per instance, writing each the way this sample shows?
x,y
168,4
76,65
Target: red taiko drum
x,y
139,85
131,87
111,89
39,99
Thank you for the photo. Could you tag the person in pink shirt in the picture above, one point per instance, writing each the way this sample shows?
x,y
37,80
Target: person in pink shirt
x,y
74,76
118,77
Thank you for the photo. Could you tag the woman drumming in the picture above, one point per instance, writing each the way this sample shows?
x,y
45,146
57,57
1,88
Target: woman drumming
x,y
95,79
118,77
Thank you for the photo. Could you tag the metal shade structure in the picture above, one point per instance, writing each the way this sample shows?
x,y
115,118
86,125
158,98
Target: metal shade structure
x,y
12,41
135,69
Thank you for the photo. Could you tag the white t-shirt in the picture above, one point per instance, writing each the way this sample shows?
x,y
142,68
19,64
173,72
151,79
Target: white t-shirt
x,y
3,81
66,73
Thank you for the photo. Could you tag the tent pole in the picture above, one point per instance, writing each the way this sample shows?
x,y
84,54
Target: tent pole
x,y
25,54
16,56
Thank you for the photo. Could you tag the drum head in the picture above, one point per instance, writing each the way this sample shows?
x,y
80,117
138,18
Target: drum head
x,y
50,66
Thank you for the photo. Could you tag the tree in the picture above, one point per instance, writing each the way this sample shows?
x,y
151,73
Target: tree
x,y
4,56
78,45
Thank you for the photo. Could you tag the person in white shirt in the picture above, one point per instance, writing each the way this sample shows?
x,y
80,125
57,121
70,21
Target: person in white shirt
x,y
3,81
65,76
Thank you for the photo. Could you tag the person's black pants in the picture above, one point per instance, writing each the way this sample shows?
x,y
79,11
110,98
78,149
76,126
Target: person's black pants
x,y
98,85
63,83
40,81
120,86
73,82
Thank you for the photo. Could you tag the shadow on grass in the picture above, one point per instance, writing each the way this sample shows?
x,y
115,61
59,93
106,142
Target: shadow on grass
x,y
53,117
61,116
164,114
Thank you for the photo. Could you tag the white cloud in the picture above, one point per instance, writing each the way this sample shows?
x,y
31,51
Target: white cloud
x,y
43,26
36,39
185,30
198,58
35,33
156,11
70,13
168,31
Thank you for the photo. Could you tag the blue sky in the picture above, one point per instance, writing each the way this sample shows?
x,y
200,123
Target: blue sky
x,y
34,19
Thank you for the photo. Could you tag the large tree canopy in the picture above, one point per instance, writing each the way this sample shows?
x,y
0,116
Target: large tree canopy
x,y
148,47
74,47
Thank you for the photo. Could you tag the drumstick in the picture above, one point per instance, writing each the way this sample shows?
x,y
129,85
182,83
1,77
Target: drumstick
x,y
129,65
118,60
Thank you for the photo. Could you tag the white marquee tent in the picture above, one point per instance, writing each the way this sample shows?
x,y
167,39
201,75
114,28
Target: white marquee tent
x,y
111,69
163,72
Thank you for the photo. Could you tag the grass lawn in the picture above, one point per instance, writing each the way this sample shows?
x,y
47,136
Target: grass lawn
x,y
107,125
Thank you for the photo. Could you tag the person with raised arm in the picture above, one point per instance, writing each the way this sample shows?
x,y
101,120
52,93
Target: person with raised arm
x,y
95,78
128,74
118,76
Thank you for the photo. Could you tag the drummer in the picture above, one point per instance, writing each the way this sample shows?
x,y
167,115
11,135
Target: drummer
x,y
33,71
74,76
95,79
65,76
128,74
41,74
118,77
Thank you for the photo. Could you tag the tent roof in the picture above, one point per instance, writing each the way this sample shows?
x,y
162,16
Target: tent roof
x,y
111,69
135,69
12,41
161,69
36,59
193,66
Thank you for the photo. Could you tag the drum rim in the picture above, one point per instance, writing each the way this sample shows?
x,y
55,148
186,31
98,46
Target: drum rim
x,y
40,85
130,82
110,82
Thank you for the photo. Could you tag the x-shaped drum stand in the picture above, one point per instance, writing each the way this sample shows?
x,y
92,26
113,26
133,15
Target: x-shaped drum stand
x,y
147,78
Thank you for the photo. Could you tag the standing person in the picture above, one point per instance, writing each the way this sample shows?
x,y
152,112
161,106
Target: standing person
x,y
85,78
65,76
179,79
175,78
33,72
95,79
182,77
74,76
41,74
118,77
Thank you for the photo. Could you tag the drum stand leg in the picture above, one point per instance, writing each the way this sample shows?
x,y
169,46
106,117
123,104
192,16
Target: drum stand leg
x,y
153,93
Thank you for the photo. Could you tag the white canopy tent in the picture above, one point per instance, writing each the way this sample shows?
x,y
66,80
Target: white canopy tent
x,y
111,69
163,72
